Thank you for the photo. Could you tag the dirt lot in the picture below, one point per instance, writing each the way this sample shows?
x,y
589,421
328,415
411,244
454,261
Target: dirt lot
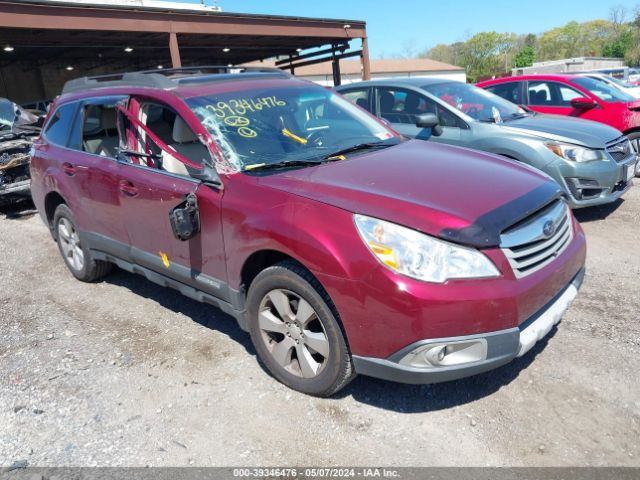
x,y
122,372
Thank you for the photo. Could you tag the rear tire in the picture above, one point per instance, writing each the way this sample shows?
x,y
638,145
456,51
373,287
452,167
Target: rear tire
x,y
76,256
294,328
634,138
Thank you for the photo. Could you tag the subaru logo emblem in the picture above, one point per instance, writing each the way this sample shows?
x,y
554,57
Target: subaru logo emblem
x,y
548,228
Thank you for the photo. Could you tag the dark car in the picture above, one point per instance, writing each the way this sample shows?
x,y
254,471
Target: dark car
x,y
17,130
339,246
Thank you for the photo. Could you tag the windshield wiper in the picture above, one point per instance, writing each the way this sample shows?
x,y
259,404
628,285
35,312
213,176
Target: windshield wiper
x,y
282,164
356,147
516,116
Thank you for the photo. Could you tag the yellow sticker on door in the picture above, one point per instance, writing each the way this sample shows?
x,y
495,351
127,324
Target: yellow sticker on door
x,y
165,259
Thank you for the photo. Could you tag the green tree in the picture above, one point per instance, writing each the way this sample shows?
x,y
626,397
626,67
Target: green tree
x,y
487,53
618,47
441,52
525,57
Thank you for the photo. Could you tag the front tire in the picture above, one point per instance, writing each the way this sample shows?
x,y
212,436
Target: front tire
x,y
76,255
634,138
295,331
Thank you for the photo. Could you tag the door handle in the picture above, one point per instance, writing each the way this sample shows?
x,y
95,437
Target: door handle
x,y
69,169
128,188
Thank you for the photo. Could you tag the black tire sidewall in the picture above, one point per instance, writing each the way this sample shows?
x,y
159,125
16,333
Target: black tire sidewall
x,y
65,212
279,277
634,136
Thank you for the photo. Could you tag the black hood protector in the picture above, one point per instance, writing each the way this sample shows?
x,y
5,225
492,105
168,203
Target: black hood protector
x,y
485,231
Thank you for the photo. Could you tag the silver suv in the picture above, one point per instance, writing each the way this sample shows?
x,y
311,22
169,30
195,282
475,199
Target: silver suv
x,y
593,163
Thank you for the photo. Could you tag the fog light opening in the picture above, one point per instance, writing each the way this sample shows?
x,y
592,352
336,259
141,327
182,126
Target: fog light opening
x,y
447,354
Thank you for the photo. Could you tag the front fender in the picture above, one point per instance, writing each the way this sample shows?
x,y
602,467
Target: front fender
x,y
525,150
321,237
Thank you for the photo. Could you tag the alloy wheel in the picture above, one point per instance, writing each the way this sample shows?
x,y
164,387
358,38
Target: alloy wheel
x,y
70,244
293,333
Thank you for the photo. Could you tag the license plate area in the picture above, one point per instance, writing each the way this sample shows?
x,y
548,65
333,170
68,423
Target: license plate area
x,y
630,172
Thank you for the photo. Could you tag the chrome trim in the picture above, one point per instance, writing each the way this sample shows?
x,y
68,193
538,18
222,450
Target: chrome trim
x,y
620,150
526,245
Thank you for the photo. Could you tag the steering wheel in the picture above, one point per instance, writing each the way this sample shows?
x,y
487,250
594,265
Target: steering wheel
x,y
316,137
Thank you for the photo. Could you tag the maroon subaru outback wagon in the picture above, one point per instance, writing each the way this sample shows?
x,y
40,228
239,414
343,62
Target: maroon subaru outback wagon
x,y
340,246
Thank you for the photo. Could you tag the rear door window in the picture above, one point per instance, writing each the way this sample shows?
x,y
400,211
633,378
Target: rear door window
x,y
551,94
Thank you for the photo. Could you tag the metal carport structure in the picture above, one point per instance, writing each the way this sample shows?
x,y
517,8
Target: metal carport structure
x,y
44,43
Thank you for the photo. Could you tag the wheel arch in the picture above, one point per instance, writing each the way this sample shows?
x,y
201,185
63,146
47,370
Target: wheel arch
x,y
263,259
259,261
52,200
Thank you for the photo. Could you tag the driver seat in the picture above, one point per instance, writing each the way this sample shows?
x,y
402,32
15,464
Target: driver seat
x,y
187,144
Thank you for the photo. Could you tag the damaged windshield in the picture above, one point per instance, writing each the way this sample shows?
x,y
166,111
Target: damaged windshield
x,y
298,125
15,119
475,102
7,114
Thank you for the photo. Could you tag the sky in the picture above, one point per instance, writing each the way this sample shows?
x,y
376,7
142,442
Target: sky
x,y
405,27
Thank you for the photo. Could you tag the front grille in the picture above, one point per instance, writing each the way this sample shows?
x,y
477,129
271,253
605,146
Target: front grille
x,y
536,241
620,150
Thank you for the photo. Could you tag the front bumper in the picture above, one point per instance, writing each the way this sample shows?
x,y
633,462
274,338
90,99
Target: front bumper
x,y
500,346
18,189
601,183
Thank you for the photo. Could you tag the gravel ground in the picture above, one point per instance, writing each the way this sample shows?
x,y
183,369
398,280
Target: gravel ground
x,y
126,373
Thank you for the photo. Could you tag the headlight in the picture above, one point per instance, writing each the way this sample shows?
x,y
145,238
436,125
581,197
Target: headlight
x,y
574,153
420,256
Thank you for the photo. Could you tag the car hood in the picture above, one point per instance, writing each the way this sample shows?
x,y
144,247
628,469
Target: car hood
x,y
564,129
461,195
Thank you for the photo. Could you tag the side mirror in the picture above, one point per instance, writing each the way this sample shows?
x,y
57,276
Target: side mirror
x,y
185,218
429,120
207,175
583,103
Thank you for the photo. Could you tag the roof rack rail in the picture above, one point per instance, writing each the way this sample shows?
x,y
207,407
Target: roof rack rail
x,y
166,78
209,69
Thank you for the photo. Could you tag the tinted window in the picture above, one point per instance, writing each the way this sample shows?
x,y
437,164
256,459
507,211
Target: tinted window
x,y
551,94
59,127
360,97
398,105
448,119
509,91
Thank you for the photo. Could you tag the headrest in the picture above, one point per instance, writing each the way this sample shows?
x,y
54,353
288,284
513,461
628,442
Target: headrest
x,y
411,103
182,133
362,102
538,97
387,101
108,119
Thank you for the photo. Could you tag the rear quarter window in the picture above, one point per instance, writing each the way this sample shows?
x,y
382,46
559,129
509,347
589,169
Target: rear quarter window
x,y
59,128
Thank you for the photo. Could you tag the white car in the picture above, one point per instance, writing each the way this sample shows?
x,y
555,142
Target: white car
x,y
633,90
634,75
